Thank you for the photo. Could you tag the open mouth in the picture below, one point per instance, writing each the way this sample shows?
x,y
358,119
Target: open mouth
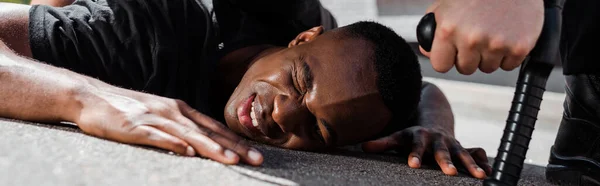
x,y
248,116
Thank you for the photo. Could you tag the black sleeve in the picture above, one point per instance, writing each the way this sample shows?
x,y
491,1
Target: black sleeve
x,y
138,44
248,22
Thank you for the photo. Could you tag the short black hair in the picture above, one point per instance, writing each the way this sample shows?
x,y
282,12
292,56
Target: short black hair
x,y
399,76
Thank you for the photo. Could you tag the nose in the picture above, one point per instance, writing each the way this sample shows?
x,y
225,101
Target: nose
x,y
290,114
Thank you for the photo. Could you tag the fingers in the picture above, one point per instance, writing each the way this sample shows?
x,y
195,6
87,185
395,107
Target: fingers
x,y
442,156
468,161
490,62
146,135
443,51
467,61
481,159
511,62
206,121
241,148
420,143
224,136
201,141
492,59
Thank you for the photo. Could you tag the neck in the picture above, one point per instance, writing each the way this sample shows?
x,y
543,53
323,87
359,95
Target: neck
x,y
229,73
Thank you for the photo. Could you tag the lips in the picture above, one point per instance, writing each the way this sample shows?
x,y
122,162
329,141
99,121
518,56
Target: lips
x,y
247,116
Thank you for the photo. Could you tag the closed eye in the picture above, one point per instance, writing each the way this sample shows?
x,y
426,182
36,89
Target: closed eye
x,y
303,77
307,75
295,80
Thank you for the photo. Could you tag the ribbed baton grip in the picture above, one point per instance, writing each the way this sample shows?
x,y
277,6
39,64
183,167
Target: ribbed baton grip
x,y
520,124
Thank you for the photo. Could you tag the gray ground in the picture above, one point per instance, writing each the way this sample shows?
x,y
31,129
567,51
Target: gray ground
x,y
39,154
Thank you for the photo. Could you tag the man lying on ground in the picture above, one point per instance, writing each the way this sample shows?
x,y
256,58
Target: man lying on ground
x,y
126,70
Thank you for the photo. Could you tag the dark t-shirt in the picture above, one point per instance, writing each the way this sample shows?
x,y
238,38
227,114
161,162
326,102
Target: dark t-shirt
x,y
163,47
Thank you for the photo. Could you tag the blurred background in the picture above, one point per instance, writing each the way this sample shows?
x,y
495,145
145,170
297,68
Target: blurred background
x,y
17,1
480,101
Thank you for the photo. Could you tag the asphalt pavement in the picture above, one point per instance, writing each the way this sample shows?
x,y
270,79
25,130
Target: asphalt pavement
x,y
44,154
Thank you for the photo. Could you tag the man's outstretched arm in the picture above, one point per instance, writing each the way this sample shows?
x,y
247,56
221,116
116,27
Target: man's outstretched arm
x,y
432,133
33,91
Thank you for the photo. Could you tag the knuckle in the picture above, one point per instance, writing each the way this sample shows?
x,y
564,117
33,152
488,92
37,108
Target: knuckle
x,y
192,111
240,145
178,144
142,133
497,44
179,104
207,132
127,124
521,50
159,107
186,132
422,131
172,104
164,109
439,137
461,151
474,39
446,31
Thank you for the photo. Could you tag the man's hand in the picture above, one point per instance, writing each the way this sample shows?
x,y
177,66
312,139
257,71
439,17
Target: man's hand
x,y
137,118
484,34
420,141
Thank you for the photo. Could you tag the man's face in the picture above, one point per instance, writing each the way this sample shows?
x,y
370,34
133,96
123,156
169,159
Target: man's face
x,y
309,96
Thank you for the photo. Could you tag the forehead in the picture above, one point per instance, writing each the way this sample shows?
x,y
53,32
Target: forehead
x,y
344,88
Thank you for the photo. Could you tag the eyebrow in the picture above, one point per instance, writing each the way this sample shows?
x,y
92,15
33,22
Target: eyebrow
x,y
331,133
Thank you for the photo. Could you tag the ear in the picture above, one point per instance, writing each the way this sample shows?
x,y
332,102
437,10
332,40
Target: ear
x,y
306,36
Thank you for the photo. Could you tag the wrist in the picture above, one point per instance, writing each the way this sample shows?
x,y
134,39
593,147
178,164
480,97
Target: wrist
x,y
79,95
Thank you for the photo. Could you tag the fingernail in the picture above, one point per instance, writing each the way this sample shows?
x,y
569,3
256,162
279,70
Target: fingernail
x,y
229,154
479,169
254,155
190,151
451,166
415,160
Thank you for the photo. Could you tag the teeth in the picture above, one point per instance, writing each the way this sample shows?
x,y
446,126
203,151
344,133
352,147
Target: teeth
x,y
253,116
